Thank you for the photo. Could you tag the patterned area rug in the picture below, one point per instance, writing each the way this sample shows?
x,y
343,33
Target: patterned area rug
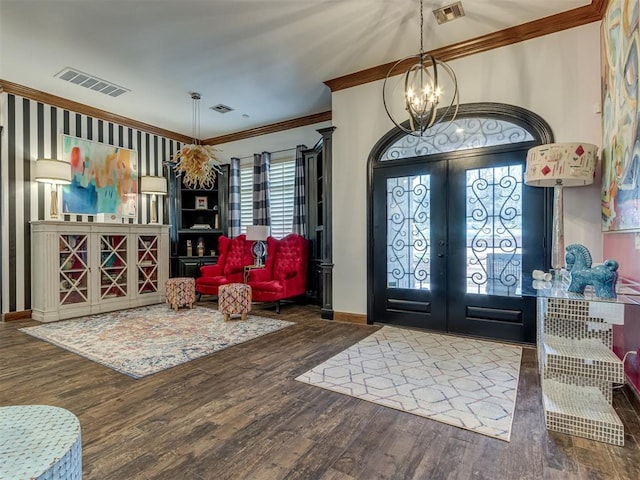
x,y
146,340
464,382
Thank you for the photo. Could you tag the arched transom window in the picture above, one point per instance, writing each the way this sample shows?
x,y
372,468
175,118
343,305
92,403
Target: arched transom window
x,y
461,134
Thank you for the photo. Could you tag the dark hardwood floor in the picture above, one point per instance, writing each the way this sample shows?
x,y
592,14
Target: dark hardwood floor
x,y
239,414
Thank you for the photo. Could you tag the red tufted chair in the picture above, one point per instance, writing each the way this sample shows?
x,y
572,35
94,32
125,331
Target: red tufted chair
x,y
285,272
235,253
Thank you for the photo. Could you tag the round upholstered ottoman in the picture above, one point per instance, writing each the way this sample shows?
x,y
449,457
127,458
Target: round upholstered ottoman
x,y
180,292
234,299
40,441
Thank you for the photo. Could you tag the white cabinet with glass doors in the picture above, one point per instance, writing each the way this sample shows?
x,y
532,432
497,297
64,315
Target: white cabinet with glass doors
x,y
85,268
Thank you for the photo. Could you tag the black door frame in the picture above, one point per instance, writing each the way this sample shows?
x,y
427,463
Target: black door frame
x,y
533,123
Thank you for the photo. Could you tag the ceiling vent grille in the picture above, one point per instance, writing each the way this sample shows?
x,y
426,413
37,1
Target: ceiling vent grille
x,y
448,13
91,82
220,108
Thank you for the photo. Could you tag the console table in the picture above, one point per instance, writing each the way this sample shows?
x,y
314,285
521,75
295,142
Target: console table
x,y
577,365
39,442
84,268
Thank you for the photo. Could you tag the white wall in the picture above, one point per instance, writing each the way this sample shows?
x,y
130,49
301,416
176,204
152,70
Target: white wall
x,y
556,76
272,142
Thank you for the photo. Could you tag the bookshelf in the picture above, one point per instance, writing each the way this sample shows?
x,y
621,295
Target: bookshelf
x,y
198,217
318,188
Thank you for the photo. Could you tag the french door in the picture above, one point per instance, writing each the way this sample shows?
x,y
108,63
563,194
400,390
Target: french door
x,y
452,236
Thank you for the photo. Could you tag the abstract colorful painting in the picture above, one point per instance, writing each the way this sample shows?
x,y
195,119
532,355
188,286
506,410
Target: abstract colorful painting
x,y
621,135
104,178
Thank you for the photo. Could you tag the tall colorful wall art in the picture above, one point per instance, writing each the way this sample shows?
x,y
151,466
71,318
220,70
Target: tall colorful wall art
x,y
621,135
104,178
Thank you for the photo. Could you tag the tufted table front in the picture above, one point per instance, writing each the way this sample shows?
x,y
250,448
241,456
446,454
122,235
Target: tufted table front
x,y
180,292
234,299
39,442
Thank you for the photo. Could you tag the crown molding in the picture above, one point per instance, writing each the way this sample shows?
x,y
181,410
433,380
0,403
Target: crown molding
x,y
39,96
537,28
43,97
600,6
271,128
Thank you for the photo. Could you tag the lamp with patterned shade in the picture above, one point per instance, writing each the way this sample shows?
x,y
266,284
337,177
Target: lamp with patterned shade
x,y
560,165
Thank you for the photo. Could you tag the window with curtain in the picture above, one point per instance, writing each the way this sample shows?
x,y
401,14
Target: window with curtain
x,y
281,193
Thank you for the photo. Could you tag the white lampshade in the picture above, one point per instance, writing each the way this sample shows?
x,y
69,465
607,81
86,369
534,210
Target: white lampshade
x,y
257,232
52,171
153,185
566,164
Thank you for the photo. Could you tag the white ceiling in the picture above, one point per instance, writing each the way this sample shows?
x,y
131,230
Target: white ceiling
x,y
266,59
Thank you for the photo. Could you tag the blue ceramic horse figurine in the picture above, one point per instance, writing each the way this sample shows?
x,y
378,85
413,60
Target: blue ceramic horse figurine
x,y
602,277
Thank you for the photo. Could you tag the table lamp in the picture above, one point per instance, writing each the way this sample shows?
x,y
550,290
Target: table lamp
x,y
153,186
258,233
560,165
54,172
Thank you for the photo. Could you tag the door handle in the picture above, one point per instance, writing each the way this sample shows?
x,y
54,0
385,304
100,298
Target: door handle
x,y
440,255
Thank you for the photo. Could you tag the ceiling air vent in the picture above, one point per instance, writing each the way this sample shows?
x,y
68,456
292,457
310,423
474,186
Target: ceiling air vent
x,y
448,13
220,108
91,82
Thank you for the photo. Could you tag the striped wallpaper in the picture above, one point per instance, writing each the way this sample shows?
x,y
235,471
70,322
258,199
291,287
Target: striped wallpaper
x,y
31,130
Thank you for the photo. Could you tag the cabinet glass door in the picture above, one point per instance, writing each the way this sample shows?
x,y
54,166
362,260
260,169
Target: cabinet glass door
x,y
147,264
74,269
113,266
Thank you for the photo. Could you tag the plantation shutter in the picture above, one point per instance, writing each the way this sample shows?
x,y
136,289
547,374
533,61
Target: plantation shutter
x,y
281,192
282,180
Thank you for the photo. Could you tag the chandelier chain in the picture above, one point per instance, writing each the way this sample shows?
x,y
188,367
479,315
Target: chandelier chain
x,y
195,117
421,29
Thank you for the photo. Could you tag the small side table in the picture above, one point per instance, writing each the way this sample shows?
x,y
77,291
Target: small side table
x,y
248,268
40,441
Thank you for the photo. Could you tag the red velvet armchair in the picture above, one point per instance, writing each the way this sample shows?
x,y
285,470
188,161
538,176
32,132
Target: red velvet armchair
x,y
234,254
285,271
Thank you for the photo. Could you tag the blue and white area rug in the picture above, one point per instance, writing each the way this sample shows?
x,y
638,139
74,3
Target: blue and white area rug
x,y
465,382
146,340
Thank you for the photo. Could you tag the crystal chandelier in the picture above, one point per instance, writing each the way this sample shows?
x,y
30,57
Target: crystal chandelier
x,y
423,90
197,164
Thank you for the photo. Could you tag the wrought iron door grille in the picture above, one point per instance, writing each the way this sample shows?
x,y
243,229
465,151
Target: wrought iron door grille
x,y
494,230
408,232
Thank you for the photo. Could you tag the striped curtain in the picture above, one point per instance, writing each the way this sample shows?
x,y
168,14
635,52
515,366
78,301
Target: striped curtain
x,y
235,228
261,165
299,197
